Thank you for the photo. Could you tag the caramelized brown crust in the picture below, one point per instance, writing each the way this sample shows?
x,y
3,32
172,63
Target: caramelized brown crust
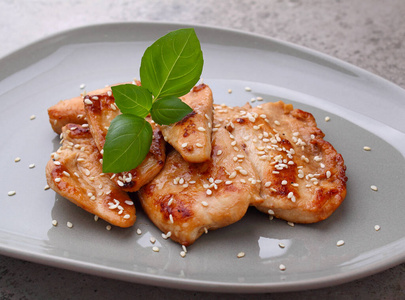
x,y
185,200
70,111
191,137
302,176
100,111
75,172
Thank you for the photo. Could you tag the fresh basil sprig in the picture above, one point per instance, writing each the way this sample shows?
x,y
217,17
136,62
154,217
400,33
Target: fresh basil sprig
x,y
170,67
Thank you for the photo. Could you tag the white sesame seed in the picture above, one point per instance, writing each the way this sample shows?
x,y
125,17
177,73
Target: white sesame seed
x,y
128,202
171,218
291,224
127,216
152,240
259,98
340,243
155,249
248,89
270,212
184,145
11,193
276,122
17,159
367,148
58,179
240,255
138,231
374,188
47,187
229,91
281,245
202,129
327,119
209,192
182,254
32,117
82,86
377,227
108,227
88,101
54,223
198,145
95,218
282,267
284,182
228,182
31,166
69,224
328,174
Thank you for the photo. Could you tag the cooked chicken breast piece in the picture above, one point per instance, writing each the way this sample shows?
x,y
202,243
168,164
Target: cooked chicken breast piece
x,y
191,137
302,176
100,111
185,199
75,172
70,111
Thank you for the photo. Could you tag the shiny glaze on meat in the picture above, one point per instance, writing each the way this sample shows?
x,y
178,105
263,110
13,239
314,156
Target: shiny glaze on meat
x,y
185,199
75,172
193,145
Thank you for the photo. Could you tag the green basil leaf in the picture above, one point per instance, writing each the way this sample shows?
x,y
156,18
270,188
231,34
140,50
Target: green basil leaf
x,y
172,65
132,99
169,110
127,143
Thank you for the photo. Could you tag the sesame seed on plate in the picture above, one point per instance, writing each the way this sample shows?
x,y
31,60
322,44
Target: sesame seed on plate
x,y
108,227
54,223
17,159
282,267
95,218
240,255
377,227
182,254
374,188
11,193
138,231
155,249
47,187
291,224
248,89
366,148
327,119
32,117
152,240
69,224
281,245
229,91
31,166
340,243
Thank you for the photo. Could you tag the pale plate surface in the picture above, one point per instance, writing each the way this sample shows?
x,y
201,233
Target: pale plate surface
x,y
364,110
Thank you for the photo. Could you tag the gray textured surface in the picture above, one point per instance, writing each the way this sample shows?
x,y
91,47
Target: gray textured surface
x,y
368,34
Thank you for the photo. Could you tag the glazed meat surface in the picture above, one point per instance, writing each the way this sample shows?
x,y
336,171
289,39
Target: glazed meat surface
x,y
75,172
191,137
185,199
100,110
302,176
70,111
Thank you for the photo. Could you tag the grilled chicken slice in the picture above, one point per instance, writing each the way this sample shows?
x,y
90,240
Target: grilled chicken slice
x,y
302,176
191,137
100,111
185,199
75,172
70,111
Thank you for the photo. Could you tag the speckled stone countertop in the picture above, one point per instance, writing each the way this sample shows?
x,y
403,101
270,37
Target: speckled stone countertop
x,y
369,34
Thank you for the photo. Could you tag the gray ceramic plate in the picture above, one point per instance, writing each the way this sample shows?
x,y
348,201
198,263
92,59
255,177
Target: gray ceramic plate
x,y
364,110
